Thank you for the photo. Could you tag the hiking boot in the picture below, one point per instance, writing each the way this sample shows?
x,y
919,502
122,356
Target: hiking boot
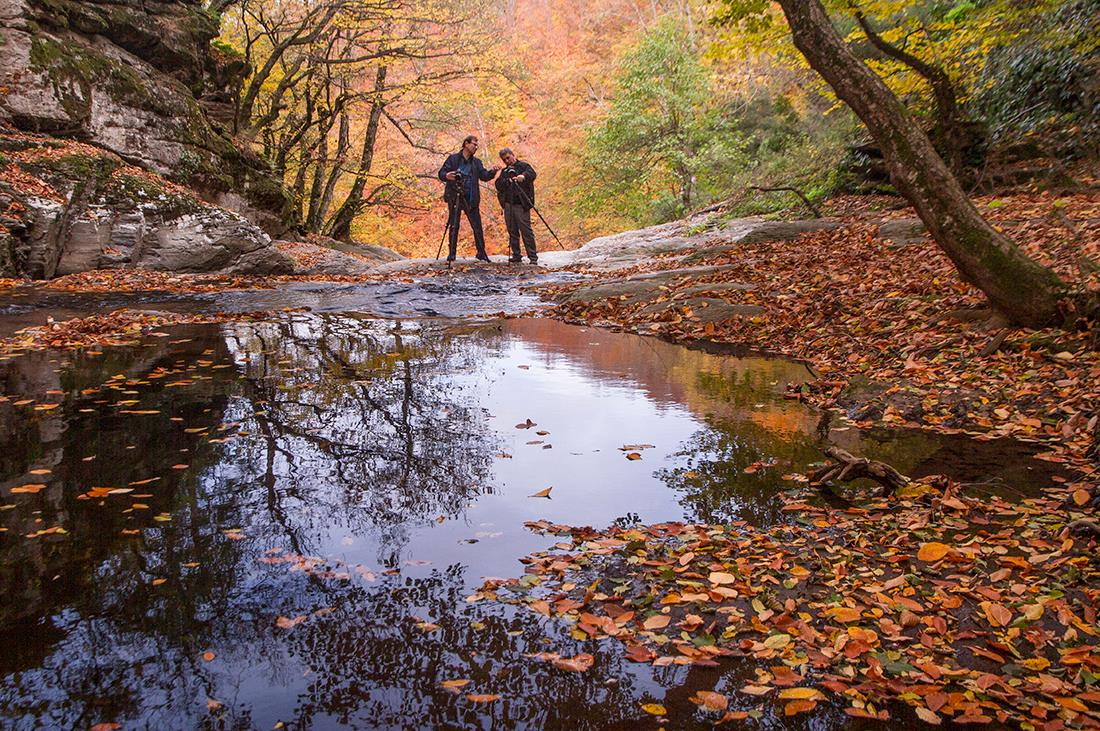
x,y
484,258
516,260
534,260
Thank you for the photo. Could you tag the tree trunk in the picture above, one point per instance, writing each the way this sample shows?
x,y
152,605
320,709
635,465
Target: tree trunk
x,y
340,227
948,115
1020,288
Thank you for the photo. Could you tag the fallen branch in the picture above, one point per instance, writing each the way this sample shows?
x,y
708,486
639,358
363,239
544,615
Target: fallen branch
x,y
849,467
1085,527
813,209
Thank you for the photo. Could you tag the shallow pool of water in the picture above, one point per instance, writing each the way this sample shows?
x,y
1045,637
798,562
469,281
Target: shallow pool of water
x,y
246,524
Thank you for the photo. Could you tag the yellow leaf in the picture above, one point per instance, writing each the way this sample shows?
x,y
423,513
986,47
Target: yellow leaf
x,y
805,694
1033,611
776,642
654,709
844,614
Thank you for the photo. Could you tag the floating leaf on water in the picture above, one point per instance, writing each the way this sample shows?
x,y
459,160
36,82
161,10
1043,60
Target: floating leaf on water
x,y
795,707
542,493
289,622
654,709
29,489
710,700
576,664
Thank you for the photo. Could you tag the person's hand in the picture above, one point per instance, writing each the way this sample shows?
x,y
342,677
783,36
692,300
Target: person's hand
x,y
451,175
495,169
519,178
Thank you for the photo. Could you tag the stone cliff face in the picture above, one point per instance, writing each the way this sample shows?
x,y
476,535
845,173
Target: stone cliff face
x,y
137,79
67,207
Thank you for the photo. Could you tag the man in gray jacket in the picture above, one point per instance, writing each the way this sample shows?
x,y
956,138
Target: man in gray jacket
x,y
516,193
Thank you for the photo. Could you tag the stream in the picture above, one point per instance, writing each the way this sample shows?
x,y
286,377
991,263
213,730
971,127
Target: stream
x,y
279,522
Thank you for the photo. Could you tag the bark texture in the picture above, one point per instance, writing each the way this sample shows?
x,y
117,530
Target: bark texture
x,y
1020,288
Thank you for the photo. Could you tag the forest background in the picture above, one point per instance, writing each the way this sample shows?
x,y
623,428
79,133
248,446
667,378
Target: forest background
x,y
637,113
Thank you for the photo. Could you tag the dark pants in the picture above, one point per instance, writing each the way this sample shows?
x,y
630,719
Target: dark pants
x,y
517,218
473,215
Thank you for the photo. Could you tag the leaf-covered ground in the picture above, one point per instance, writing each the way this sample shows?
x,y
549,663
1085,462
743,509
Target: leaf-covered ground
x,y
970,610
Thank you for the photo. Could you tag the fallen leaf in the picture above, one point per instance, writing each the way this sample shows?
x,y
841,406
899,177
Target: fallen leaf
x,y
657,621
932,551
482,697
795,707
576,664
710,700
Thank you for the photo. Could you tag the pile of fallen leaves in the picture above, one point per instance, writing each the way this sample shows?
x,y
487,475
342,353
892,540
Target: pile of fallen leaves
x,y
121,327
964,609
853,304
306,255
147,280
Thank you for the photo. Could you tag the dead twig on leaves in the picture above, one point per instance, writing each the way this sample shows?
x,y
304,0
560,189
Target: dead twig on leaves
x,y
848,467
806,201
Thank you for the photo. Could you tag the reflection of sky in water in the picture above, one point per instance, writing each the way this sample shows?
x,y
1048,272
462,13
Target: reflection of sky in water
x,y
365,449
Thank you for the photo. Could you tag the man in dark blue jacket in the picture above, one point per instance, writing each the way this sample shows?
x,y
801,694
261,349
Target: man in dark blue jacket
x,y
461,172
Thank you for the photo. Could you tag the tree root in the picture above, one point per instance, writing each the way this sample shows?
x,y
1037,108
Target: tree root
x,y
849,467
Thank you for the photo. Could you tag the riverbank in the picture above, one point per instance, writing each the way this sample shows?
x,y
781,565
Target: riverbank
x,y
879,312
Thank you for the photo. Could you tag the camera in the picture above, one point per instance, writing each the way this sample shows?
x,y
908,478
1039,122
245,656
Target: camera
x,y
458,175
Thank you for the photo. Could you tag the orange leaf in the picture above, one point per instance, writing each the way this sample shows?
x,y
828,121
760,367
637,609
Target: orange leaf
x,y
657,621
795,707
710,700
932,551
482,697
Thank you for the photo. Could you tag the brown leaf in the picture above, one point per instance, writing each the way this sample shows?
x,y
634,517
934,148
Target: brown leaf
x,y
710,700
576,664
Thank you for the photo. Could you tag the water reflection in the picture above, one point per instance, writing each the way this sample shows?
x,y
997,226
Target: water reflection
x,y
232,526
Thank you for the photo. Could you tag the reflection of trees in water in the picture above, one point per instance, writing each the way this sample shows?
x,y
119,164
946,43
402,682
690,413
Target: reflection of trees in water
x,y
360,425
349,425
712,478
372,667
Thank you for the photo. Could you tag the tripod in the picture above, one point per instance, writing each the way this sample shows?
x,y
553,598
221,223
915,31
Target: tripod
x,y
454,215
531,205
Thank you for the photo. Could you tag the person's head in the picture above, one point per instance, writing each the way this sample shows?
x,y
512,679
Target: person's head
x,y
508,156
469,145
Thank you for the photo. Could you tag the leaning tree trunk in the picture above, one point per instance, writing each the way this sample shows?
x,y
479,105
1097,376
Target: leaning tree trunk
x,y
1020,288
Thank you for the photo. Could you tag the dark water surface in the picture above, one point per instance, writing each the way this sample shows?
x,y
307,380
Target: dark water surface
x,y
353,480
